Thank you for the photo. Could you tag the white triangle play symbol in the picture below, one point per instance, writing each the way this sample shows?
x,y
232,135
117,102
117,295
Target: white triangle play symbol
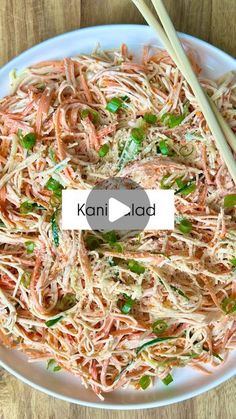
x,y
116,209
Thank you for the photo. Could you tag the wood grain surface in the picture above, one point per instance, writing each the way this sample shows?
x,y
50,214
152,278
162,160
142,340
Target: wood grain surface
x,y
24,23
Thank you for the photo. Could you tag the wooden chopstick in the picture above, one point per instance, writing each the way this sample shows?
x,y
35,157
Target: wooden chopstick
x,y
176,51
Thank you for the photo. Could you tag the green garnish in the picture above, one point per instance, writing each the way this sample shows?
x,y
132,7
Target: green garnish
x,y
93,115
186,150
110,237
164,149
52,366
137,135
55,228
185,188
150,118
66,302
229,305
152,342
53,185
27,141
41,87
117,247
167,380
230,201
185,226
92,242
179,291
135,267
52,155
217,356
29,247
103,150
159,326
128,304
145,382
172,120
2,225
233,261
51,323
27,207
25,279
114,104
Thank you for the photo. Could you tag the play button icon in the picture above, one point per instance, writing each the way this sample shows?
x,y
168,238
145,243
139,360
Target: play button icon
x,y
115,201
116,209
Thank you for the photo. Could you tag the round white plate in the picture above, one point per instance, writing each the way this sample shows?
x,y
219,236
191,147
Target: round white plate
x,y
187,382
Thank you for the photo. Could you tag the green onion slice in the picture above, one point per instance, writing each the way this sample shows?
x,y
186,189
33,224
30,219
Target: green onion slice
x,y
92,242
230,201
233,261
117,247
159,326
66,302
179,291
51,323
137,135
167,380
103,150
145,382
164,184
150,118
128,304
93,115
53,185
110,237
52,366
229,305
114,104
29,247
186,188
185,226
136,267
172,120
27,141
164,149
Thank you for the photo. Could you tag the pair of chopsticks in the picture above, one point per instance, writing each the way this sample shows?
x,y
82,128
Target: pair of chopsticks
x,y
168,36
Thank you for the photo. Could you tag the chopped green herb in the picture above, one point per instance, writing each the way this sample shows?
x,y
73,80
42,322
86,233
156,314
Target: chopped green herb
x,y
150,118
230,201
27,141
51,323
52,155
136,267
93,115
172,120
55,228
137,135
179,291
185,226
25,279
167,380
29,247
53,185
128,304
52,366
145,382
163,182
217,356
2,225
27,207
117,247
92,242
179,182
152,342
186,188
41,87
164,148
233,261
114,104
159,326
229,305
103,150
110,237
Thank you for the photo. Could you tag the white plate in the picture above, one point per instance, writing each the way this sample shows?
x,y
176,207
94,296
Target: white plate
x,y
187,382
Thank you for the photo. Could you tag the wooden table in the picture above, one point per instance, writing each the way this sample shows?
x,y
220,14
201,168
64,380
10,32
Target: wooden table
x,y
24,23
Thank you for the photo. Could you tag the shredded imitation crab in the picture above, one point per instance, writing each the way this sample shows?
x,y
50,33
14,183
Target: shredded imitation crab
x,y
115,308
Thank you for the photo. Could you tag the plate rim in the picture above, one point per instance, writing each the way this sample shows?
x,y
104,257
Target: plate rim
x,y
8,66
